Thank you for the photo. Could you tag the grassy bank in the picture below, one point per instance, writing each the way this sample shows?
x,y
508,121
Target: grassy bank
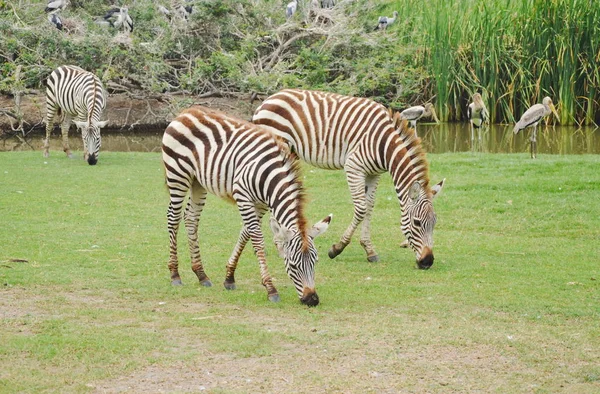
x,y
511,303
514,52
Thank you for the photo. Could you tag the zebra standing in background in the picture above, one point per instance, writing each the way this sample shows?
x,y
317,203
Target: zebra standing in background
x,y
79,96
208,151
358,135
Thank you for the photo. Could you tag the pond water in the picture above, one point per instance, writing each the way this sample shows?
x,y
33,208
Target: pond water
x,y
437,138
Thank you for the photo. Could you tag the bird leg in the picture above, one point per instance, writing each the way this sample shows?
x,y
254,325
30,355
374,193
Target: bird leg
x,y
533,142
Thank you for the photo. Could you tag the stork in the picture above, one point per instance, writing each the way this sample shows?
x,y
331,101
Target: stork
x,y
532,117
477,114
56,5
291,9
184,11
384,21
165,11
327,3
55,20
119,17
417,112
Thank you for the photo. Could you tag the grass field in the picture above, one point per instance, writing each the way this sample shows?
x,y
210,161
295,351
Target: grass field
x,y
511,304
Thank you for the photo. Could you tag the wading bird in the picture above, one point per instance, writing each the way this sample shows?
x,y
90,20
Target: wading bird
x,y
291,9
119,17
55,20
532,117
417,112
384,21
327,3
477,114
56,5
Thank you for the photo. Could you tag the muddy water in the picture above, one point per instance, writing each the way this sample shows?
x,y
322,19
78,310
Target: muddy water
x,y
441,138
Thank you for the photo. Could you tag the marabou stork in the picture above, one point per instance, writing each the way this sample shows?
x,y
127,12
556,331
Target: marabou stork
x,y
291,8
119,17
417,112
55,20
56,5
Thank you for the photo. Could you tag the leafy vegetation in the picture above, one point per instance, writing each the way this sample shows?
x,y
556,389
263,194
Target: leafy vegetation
x,y
513,51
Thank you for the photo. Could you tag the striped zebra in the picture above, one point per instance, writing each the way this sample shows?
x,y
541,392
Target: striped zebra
x,y
78,95
208,151
358,135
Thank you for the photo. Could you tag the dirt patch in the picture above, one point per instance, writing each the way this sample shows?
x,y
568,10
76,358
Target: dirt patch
x,y
126,113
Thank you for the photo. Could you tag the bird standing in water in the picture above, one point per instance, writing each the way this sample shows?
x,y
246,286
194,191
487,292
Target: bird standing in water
x,y
417,112
532,117
477,114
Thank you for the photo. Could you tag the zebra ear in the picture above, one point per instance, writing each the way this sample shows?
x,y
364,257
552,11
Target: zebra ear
x,y
437,188
102,124
281,234
80,124
415,190
320,227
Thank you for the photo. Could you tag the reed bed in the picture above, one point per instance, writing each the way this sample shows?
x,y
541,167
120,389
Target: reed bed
x,y
514,52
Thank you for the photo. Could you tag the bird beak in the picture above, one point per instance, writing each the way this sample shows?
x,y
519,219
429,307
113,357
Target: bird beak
x,y
434,115
554,112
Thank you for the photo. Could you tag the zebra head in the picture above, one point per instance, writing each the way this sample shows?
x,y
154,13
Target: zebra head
x,y
300,256
91,139
418,221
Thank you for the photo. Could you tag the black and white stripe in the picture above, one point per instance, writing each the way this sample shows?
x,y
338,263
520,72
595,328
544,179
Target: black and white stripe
x,y
358,135
207,151
78,96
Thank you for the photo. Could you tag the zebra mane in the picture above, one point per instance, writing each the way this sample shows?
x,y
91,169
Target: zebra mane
x,y
414,147
290,158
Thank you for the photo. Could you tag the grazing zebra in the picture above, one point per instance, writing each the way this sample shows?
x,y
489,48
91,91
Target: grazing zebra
x,y
358,135
79,96
208,151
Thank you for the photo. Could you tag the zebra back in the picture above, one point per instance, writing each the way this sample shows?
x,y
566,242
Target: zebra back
x,y
78,92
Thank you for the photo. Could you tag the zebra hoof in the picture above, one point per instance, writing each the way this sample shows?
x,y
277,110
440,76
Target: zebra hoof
x,y
373,259
274,297
229,285
334,252
176,282
46,154
206,283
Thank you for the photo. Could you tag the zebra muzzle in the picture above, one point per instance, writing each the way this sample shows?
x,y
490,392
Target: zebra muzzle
x,y
426,260
309,297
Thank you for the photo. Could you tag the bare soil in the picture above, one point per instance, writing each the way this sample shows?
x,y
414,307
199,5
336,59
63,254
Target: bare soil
x,y
125,113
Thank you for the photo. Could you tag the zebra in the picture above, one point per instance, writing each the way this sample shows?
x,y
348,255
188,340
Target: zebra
x,y
79,96
208,151
358,135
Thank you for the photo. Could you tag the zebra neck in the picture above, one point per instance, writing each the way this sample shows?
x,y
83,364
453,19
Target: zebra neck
x,y
406,164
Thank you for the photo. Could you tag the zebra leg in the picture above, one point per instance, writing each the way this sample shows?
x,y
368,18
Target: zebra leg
x,y
252,223
64,130
177,193
356,182
365,236
229,282
192,218
51,114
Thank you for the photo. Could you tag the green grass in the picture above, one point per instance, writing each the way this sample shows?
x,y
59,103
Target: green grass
x,y
512,303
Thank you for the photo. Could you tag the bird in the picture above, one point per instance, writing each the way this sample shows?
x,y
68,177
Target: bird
x,y
119,17
477,114
532,117
184,11
384,21
55,20
417,112
327,3
165,11
56,5
291,9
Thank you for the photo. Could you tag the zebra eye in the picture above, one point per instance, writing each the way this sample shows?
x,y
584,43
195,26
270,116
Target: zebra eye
x,y
416,222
